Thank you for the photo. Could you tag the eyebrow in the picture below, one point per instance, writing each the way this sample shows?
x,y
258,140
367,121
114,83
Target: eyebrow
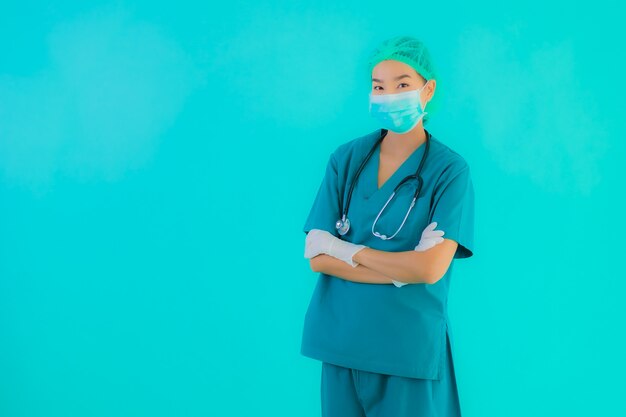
x,y
397,78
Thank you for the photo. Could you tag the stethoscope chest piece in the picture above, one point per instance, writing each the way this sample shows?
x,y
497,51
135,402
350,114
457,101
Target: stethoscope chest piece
x,y
343,225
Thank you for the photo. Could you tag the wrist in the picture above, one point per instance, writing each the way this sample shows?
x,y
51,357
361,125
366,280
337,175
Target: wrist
x,y
358,257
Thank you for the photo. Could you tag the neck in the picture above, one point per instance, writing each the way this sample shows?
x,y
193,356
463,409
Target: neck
x,y
403,143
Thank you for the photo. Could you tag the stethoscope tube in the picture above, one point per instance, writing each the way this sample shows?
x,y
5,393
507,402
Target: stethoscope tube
x,y
343,225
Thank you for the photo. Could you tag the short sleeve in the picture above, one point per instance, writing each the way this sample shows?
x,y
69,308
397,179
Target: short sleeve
x,y
325,210
453,210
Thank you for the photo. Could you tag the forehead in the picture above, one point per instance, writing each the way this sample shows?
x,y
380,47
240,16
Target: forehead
x,y
392,70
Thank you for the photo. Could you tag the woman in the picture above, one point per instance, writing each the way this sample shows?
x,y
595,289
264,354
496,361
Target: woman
x,y
386,350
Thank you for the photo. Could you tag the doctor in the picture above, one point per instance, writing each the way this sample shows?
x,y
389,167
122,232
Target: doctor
x,y
386,350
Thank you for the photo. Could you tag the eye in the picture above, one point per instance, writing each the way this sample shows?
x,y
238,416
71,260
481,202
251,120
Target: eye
x,y
404,84
376,87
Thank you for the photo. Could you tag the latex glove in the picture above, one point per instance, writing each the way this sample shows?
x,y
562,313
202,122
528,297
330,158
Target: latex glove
x,y
430,238
320,241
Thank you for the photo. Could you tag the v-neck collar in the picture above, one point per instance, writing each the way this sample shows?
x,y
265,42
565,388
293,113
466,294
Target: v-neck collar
x,y
408,167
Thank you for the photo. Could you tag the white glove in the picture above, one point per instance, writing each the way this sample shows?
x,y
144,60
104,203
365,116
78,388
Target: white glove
x,y
430,238
320,241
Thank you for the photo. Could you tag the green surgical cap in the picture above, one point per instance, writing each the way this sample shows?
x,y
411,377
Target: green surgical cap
x,y
405,49
410,51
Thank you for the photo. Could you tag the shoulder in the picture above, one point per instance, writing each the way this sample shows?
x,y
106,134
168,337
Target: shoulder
x,y
451,162
356,147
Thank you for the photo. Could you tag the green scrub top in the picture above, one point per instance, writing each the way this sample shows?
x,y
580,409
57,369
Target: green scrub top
x,y
380,327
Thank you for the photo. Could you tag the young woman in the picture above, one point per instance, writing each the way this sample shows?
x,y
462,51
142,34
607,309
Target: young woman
x,y
378,317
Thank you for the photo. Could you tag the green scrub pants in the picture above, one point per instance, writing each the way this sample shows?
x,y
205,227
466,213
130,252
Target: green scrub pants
x,y
348,392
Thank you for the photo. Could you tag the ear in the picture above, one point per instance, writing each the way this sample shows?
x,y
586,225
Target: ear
x,y
432,85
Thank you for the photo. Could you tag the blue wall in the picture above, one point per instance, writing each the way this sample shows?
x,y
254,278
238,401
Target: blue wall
x,y
158,160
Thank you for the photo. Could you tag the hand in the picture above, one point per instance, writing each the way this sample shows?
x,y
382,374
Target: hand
x,y
317,242
320,241
430,238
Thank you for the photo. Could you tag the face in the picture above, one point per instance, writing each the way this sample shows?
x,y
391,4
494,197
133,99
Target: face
x,y
391,77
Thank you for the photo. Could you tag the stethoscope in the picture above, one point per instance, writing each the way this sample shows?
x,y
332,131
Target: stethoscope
x,y
343,225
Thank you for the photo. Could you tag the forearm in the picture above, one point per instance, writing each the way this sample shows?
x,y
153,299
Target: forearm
x,y
408,266
333,266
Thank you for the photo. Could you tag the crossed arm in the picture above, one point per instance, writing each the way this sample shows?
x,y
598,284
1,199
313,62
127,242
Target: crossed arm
x,y
380,267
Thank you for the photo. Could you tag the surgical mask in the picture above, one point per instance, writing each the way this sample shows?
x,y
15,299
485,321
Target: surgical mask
x,y
398,112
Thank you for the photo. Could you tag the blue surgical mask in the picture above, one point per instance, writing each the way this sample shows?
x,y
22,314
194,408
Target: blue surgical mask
x,y
398,112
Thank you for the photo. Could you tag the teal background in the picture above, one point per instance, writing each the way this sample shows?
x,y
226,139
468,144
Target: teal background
x,y
158,161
